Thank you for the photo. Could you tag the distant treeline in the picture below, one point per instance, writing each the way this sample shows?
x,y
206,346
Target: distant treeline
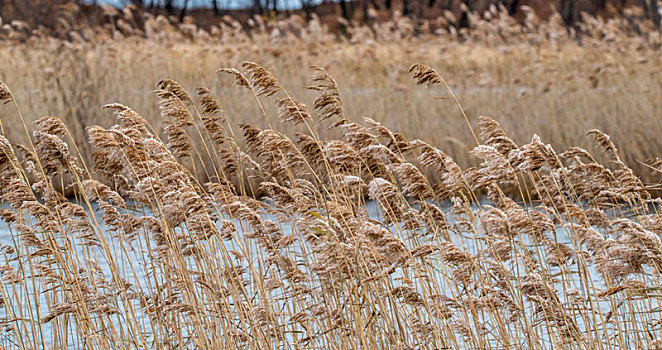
x,y
47,13
570,10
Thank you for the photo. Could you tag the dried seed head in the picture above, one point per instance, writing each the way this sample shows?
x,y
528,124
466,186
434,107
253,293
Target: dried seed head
x,y
491,134
177,89
51,125
292,111
211,116
95,189
603,140
424,75
239,78
388,197
127,116
177,118
264,83
328,103
55,154
5,93
414,183
173,108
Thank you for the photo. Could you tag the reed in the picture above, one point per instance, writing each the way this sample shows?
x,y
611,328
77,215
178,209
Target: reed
x,y
535,76
365,239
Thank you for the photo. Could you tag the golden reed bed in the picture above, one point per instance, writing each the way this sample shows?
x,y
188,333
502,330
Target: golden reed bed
x,y
534,76
368,240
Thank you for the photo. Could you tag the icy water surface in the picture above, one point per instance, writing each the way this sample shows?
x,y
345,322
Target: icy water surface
x,y
138,272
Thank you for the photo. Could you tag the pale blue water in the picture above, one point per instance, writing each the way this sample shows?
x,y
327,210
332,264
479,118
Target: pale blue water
x,y
138,254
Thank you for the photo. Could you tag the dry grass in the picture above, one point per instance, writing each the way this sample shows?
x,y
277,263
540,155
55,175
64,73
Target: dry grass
x,y
534,78
185,264
369,235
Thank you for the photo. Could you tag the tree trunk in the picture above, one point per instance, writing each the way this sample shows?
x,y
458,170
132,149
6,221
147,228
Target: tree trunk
x,y
568,11
214,4
512,7
183,13
655,13
307,8
344,9
169,7
375,4
257,7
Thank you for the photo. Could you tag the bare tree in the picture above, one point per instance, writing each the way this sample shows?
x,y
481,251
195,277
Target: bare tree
x,y
307,7
421,8
511,5
272,5
169,6
567,11
257,6
364,10
654,11
345,10
214,5
183,13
